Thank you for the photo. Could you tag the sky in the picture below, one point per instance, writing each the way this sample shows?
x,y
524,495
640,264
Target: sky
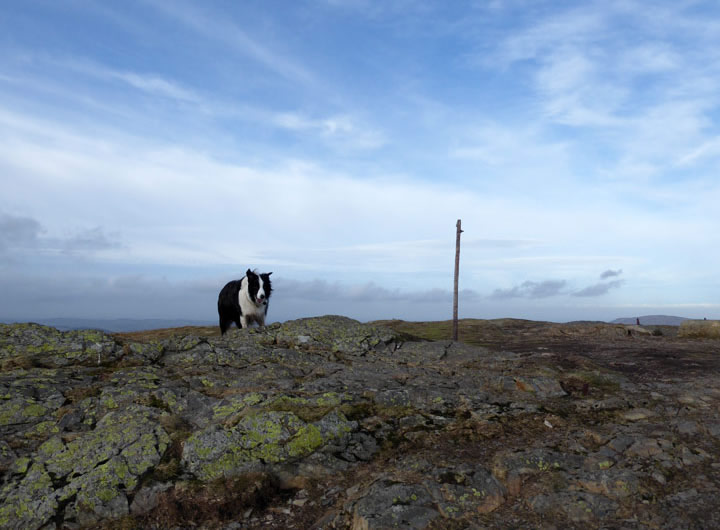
x,y
151,151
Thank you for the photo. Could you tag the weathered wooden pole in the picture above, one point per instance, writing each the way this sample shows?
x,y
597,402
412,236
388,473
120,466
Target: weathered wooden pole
x,y
455,290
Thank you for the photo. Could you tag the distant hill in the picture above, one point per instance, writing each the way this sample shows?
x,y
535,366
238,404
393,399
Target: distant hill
x,y
131,324
117,324
651,320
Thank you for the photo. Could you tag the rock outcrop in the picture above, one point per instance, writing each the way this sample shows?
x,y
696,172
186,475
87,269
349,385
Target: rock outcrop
x,y
330,423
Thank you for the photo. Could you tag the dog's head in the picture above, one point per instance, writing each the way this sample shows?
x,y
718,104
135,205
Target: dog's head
x,y
259,286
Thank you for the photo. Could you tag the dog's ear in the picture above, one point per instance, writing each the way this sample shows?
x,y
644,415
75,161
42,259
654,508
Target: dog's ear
x,y
248,273
269,273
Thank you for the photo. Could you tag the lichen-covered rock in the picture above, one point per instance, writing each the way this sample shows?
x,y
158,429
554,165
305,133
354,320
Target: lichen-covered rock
x,y
30,502
334,334
35,345
29,405
94,471
144,353
257,440
21,410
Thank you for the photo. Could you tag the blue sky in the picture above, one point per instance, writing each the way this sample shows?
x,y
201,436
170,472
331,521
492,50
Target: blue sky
x,y
150,151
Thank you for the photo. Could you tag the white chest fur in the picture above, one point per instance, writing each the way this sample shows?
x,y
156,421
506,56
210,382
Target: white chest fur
x,y
250,311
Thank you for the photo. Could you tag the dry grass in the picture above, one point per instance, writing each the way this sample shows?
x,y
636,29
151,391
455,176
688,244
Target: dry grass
x,y
470,330
18,362
190,504
77,394
155,335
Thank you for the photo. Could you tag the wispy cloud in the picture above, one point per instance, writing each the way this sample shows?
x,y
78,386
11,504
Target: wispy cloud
x,y
83,68
93,239
549,288
708,150
155,84
338,292
498,243
610,274
603,287
18,231
342,129
654,96
530,289
21,236
506,146
215,27
599,289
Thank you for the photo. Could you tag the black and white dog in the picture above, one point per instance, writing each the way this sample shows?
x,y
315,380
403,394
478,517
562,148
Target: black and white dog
x,y
244,301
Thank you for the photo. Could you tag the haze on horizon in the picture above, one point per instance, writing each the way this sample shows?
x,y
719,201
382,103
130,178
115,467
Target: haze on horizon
x,y
151,151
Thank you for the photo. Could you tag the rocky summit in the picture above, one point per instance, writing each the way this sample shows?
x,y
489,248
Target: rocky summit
x,y
328,423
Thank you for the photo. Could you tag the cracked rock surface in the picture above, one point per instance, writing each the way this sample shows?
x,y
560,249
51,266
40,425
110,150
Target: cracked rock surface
x,y
330,423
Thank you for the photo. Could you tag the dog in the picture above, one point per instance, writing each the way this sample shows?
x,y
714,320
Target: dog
x,y
244,301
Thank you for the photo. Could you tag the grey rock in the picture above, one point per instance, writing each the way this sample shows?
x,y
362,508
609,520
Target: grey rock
x,y
714,429
361,447
687,427
462,491
146,499
7,456
392,505
580,507
620,443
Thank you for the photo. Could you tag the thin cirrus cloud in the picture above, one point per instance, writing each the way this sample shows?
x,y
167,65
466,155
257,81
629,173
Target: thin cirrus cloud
x,y
341,130
149,82
155,84
235,37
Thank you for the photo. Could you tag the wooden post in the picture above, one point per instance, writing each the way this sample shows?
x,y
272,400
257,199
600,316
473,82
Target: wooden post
x,y
455,290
